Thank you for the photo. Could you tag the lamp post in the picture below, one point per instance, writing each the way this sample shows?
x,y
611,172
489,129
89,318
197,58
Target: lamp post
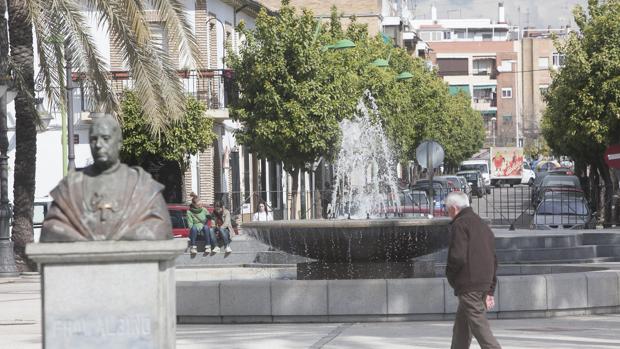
x,y
70,126
223,37
7,258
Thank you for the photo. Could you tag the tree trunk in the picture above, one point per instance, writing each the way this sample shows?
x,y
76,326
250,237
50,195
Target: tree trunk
x,y
20,33
608,191
294,191
616,200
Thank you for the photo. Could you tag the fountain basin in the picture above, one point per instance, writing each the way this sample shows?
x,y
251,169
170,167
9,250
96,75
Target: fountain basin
x,y
354,241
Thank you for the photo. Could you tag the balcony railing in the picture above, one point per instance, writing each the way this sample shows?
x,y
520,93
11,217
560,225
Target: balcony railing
x,y
214,87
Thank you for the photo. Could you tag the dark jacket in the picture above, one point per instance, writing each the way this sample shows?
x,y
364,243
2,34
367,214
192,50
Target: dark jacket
x,y
472,264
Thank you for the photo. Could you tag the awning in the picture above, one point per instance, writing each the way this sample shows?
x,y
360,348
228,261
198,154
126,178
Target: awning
x,y
455,89
484,87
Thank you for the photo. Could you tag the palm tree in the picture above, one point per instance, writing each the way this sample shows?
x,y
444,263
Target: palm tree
x,y
63,24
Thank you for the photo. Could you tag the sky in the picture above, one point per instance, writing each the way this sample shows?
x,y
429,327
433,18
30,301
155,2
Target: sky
x,y
539,13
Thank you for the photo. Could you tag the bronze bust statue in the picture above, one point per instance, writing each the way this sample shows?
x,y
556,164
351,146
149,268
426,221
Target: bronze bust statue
x,y
107,200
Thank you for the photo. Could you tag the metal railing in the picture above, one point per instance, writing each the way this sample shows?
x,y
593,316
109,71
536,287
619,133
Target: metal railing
x,y
508,206
214,87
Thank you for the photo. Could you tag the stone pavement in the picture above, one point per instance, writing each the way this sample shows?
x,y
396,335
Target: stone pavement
x,y
20,309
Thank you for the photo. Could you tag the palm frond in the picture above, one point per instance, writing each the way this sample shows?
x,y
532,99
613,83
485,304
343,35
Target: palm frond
x,y
146,72
180,31
154,75
86,57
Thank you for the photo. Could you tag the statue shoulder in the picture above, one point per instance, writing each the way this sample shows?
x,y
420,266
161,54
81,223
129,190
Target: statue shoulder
x,y
144,177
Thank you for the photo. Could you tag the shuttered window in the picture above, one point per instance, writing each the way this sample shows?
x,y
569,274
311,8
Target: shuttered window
x,y
453,66
159,39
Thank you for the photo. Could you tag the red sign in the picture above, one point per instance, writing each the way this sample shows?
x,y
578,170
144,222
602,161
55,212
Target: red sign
x,y
612,156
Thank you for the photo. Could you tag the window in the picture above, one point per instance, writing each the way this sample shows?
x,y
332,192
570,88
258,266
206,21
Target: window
x,y
447,35
558,59
543,88
159,39
453,66
483,66
507,92
506,66
507,119
543,62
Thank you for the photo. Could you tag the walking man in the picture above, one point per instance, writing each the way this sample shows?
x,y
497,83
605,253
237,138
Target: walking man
x,y
471,271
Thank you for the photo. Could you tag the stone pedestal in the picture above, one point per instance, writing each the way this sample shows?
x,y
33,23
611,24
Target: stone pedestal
x,y
365,270
108,294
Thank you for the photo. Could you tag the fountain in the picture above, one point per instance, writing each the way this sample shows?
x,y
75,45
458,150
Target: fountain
x,y
361,242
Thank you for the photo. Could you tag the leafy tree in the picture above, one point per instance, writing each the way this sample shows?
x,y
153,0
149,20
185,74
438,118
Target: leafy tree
x,y
55,23
289,105
410,110
294,91
583,102
191,134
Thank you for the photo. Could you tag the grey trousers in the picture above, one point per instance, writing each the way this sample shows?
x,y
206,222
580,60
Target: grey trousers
x,y
471,320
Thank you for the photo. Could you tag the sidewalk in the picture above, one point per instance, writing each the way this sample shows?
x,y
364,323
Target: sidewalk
x,y
20,309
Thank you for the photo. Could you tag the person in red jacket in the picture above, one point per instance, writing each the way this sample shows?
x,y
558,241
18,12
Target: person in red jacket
x,y
472,272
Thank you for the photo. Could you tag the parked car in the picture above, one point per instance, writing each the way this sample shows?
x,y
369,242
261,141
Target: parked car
x,y
560,193
441,189
554,181
557,213
479,165
461,185
557,172
546,165
414,203
475,180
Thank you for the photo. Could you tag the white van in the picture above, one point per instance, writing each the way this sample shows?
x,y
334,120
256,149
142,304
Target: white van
x,y
480,165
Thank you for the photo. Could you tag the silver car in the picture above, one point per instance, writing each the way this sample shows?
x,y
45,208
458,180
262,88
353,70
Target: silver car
x,y
559,213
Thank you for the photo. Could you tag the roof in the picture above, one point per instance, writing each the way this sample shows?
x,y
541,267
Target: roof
x,y
251,6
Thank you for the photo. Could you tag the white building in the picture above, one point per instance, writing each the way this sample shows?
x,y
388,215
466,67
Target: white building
x,y
223,168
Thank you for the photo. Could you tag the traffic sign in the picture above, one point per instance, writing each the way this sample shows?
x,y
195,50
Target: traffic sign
x,y
429,151
612,156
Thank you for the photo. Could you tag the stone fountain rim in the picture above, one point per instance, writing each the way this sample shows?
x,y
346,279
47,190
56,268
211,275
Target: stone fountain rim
x,y
349,223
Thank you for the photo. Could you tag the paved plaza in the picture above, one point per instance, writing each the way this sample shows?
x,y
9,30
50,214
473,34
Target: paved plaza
x,y
20,321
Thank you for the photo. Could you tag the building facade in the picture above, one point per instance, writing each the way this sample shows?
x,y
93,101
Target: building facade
x,y
540,58
478,57
225,170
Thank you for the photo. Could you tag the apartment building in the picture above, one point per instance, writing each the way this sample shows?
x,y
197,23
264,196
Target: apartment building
x,y
389,17
540,58
478,57
224,170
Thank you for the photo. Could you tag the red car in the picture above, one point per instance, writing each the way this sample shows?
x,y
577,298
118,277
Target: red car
x,y
178,217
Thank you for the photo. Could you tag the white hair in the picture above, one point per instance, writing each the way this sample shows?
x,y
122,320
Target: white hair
x,y
457,199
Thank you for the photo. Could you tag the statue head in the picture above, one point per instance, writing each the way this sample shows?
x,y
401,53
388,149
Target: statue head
x,y
105,140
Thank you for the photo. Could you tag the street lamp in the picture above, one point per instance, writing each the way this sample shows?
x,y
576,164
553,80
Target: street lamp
x,y
69,126
380,63
69,81
223,37
404,76
7,258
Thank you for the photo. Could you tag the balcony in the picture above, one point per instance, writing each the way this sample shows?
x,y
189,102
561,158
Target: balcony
x,y
214,87
483,104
